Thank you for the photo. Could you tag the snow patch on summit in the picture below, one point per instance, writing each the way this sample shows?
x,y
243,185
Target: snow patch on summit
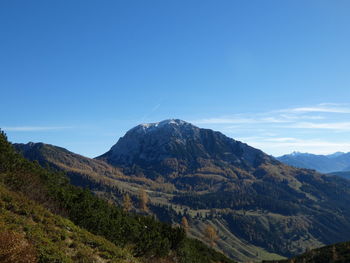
x,y
170,122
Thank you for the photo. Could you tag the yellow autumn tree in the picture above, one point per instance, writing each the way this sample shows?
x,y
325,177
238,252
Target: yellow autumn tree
x,y
127,203
143,197
334,253
211,234
184,224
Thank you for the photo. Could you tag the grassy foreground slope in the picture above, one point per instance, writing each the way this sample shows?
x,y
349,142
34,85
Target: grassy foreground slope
x,y
30,233
148,239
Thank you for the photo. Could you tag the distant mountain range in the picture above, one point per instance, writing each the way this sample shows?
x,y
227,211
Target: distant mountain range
x,y
262,208
336,162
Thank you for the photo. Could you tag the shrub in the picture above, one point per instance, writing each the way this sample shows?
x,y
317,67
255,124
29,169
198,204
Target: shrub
x,y
14,248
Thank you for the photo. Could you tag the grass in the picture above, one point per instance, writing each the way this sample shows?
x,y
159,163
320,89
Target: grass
x,y
55,239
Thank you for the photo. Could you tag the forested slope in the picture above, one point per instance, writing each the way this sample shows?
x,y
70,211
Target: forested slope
x,y
145,237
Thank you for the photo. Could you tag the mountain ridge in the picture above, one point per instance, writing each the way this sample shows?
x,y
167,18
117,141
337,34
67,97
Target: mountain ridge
x,y
174,148
213,179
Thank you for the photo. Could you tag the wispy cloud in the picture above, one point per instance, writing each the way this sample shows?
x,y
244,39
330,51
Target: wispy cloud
x,y
312,146
297,118
34,128
282,139
278,116
225,120
282,145
245,120
314,128
337,126
323,108
256,120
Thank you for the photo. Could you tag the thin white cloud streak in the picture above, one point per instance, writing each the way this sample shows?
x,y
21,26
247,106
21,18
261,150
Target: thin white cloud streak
x,y
283,139
275,132
322,108
296,118
301,126
241,120
154,109
224,121
301,117
337,126
271,117
33,128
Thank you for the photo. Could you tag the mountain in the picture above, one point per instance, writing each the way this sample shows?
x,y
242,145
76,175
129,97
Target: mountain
x,y
176,150
108,182
32,228
170,140
261,208
323,163
81,170
45,219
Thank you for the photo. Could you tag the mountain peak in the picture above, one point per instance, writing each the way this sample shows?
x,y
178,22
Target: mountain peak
x,y
165,122
169,123
175,146
163,130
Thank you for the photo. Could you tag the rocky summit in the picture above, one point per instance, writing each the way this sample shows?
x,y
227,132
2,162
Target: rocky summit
x,y
175,147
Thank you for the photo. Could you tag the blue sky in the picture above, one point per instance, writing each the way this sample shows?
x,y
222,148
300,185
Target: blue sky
x,y
274,74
